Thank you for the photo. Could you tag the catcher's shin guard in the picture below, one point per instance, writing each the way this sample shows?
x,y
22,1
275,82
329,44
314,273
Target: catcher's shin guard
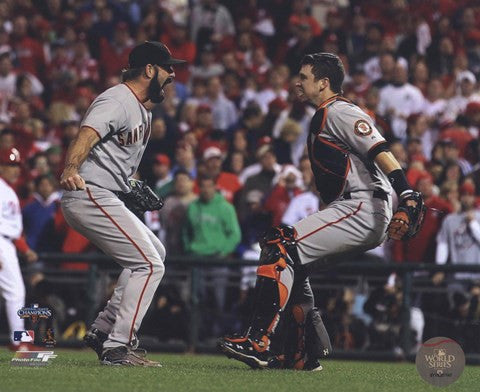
x,y
274,282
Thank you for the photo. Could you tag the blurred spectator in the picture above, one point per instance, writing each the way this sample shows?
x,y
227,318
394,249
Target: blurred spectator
x,y
422,247
182,48
384,306
172,215
417,128
114,54
28,51
212,227
399,100
226,183
161,173
275,88
38,216
459,238
305,203
223,110
347,332
185,159
212,230
210,22
167,319
288,184
465,93
208,67
259,176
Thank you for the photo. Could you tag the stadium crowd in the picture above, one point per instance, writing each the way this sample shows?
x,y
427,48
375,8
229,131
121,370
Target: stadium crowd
x,y
228,141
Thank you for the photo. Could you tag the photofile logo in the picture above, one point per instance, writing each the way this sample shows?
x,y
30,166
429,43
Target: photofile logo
x,y
34,312
27,336
32,358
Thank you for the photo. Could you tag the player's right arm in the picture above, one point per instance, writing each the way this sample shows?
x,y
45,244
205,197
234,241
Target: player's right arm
x,y
77,153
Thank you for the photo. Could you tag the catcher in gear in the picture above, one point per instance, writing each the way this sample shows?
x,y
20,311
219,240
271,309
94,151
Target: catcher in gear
x,y
354,173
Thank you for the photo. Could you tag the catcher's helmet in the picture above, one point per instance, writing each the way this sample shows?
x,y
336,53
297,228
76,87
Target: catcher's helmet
x,y
10,156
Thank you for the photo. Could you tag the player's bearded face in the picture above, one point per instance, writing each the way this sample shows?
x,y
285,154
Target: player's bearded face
x,y
156,92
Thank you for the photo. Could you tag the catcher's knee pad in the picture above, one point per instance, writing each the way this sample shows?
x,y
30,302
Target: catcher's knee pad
x,y
281,238
278,253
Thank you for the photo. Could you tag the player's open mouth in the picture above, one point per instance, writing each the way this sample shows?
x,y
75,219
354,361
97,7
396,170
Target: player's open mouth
x,y
167,81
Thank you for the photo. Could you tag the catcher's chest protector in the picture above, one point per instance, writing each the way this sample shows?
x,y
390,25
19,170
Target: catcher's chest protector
x,y
330,163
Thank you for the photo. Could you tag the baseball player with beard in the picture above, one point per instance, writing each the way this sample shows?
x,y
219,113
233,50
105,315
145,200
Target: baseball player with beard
x,y
99,163
354,173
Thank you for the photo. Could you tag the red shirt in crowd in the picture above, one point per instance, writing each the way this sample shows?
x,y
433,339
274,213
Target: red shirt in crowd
x,y
30,56
460,137
422,247
278,201
227,184
185,51
113,59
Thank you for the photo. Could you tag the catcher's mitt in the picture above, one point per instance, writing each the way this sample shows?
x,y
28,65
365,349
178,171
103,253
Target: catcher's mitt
x,y
408,219
141,198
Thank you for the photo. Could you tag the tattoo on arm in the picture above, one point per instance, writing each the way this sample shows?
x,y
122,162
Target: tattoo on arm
x,y
80,147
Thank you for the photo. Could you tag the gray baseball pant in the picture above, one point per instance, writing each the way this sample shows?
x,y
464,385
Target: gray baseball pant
x,y
101,217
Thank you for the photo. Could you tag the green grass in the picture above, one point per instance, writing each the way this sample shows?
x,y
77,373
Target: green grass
x,y
78,370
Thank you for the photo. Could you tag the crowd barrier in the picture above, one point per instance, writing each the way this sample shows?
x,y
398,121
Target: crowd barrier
x,y
188,272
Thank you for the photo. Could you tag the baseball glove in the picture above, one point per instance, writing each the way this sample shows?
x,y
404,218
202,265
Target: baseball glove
x,y
141,198
408,219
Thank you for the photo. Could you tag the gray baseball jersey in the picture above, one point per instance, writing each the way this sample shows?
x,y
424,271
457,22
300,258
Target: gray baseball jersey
x,y
123,125
340,139
350,128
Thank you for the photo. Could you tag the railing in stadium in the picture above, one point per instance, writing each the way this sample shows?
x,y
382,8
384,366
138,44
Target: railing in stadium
x,y
188,272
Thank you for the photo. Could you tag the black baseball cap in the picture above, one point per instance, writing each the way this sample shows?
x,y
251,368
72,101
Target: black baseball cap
x,y
151,52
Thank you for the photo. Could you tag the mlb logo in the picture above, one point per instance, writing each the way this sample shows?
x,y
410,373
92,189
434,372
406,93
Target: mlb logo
x,y
24,336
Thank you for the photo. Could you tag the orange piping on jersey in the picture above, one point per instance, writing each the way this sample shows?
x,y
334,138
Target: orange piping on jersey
x,y
133,92
139,250
324,120
326,141
331,99
332,223
323,140
93,129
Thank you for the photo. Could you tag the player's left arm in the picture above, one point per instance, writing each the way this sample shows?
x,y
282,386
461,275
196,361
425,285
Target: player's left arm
x,y
358,130
408,218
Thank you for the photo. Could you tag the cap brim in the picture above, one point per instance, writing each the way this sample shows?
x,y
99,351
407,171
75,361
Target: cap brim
x,y
173,61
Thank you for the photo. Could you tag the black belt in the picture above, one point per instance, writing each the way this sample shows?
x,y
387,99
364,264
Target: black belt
x,y
378,194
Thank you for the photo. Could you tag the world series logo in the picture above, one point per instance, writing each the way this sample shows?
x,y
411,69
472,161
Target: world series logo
x,y
440,361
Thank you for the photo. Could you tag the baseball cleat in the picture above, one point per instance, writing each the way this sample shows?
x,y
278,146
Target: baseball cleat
x,y
242,349
312,366
123,356
94,339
